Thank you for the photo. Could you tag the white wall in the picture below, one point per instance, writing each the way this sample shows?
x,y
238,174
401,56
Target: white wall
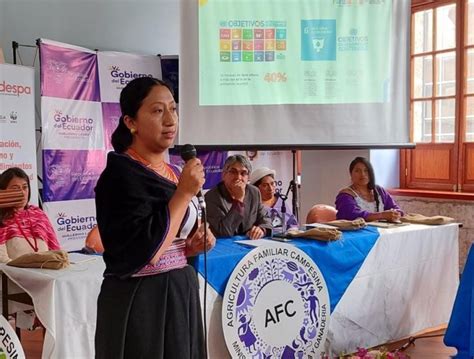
x,y
386,167
324,174
138,26
2,26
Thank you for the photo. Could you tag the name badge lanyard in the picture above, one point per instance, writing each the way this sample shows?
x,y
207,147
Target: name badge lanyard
x,y
35,245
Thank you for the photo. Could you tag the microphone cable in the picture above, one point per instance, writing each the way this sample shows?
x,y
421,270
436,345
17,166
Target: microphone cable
x,y
188,152
204,220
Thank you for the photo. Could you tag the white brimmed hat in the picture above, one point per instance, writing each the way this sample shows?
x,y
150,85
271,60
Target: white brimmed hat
x,y
259,173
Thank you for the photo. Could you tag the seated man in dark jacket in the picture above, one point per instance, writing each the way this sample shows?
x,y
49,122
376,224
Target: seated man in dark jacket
x,y
234,207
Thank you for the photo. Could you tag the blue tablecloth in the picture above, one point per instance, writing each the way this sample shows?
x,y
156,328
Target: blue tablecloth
x,y
338,261
460,332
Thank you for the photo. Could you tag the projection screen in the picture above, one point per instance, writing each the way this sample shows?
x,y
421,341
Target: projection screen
x,y
294,73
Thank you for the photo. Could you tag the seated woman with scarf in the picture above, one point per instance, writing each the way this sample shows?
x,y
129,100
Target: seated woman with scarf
x,y
24,228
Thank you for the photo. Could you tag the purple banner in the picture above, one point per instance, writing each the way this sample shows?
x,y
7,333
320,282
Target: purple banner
x,y
69,175
213,161
69,73
111,114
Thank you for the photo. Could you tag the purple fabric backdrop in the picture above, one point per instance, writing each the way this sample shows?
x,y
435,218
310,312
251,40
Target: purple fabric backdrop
x,y
71,174
212,161
69,73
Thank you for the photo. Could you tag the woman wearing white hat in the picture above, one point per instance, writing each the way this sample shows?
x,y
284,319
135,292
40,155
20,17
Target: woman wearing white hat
x,y
264,179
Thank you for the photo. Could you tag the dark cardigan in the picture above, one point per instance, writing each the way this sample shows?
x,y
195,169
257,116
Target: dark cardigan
x,y
132,214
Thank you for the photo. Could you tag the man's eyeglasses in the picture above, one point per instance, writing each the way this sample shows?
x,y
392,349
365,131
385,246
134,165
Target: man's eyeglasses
x,y
236,172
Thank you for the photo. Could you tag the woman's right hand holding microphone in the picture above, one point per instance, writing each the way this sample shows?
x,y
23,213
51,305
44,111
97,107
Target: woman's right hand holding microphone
x,y
192,178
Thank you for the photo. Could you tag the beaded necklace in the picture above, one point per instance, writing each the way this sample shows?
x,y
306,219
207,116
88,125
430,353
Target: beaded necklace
x,y
162,169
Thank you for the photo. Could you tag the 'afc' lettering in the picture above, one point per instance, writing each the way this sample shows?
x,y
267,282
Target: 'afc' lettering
x,y
278,310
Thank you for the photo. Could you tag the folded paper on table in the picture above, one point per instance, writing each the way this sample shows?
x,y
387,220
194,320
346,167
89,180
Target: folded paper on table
x,y
381,224
77,258
319,225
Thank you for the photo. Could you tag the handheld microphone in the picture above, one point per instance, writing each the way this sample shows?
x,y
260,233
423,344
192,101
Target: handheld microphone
x,y
188,152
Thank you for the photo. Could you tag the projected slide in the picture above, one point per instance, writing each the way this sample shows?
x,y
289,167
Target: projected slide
x,y
270,52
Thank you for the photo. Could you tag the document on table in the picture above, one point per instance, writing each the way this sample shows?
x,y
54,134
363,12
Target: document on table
x,y
76,258
382,224
319,225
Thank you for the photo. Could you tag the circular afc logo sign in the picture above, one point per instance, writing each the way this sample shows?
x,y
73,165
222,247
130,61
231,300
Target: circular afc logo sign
x,y
276,304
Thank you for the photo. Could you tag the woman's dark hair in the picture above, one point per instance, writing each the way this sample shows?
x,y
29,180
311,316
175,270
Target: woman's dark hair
x,y
5,179
371,185
131,99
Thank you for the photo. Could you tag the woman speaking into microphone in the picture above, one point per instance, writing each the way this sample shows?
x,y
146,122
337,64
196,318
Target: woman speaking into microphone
x,y
148,306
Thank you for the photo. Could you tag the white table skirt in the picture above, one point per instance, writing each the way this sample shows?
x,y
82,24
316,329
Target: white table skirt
x,y
66,303
407,283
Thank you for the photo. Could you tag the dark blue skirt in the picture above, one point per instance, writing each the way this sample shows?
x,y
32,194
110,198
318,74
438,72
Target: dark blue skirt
x,y
155,316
